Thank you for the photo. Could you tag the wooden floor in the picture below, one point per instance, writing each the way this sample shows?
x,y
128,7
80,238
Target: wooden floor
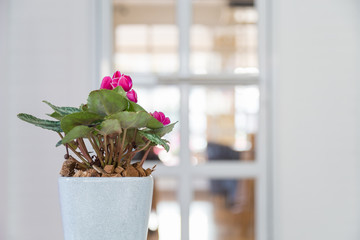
x,y
231,222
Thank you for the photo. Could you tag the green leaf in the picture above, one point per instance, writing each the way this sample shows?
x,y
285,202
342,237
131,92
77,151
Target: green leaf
x,y
110,126
156,139
131,137
154,123
84,107
164,130
132,119
63,111
72,144
55,115
59,143
76,132
80,118
106,102
134,107
46,124
120,91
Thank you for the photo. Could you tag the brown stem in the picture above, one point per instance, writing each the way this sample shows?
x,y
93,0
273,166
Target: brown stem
x,y
145,156
98,169
77,153
97,150
118,143
132,154
135,132
106,150
126,152
99,137
147,144
122,145
128,160
84,150
67,149
81,164
111,151
79,156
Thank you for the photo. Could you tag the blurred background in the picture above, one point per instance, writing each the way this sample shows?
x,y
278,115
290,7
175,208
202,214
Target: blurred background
x,y
266,94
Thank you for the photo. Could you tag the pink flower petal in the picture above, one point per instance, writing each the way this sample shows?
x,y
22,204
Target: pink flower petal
x,y
162,117
115,82
129,81
117,74
106,83
125,82
156,115
166,121
132,96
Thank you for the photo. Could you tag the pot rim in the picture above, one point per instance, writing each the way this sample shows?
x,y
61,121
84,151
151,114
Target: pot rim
x,y
105,179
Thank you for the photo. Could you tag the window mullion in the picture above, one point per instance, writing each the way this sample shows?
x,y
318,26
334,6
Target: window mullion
x,y
184,19
185,192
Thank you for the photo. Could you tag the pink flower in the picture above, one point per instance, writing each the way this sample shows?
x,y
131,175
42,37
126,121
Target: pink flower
x,y
160,116
117,74
118,79
132,96
124,81
106,83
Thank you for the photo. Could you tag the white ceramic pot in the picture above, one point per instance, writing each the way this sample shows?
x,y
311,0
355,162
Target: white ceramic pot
x,y
109,208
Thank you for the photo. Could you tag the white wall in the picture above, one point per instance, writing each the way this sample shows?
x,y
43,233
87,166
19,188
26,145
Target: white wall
x,y
316,57
316,113
50,57
3,97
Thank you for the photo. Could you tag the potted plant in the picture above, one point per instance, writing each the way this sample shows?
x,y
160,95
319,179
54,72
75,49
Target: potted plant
x,y
103,193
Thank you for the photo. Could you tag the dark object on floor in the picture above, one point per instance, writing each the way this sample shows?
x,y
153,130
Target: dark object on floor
x,y
228,188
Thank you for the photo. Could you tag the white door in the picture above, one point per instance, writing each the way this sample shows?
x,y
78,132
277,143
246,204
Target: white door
x,y
197,61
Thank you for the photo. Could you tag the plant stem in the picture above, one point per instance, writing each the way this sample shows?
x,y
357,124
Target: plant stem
x,y
106,150
135,132
122,145
77,154
111,150
128,160
100,141
97,150
132,154
98,169
82,165
147,144
145,156
126,151
84,150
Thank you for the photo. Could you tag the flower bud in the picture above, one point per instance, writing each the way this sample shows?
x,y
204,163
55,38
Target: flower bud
x,y
125,82
132,96
106,83
160,116
117,74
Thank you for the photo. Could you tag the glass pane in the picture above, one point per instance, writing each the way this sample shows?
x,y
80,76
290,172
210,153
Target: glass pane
x,y
164,221
223,37
165,99
223,123
145,36
222,210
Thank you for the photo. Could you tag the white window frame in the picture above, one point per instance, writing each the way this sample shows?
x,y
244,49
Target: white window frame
x,y
102,18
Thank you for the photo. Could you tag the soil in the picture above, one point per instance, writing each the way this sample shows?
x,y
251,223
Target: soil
x,y
71,168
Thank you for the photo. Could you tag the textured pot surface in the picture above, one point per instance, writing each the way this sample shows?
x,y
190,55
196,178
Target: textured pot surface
x,y
105,208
